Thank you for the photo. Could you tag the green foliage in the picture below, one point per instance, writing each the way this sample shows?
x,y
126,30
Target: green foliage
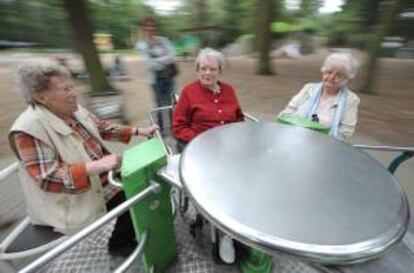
x,y
283,27
170,25
357,24
119,18
44,21
27,21
310,7
232,19
365,11
245,38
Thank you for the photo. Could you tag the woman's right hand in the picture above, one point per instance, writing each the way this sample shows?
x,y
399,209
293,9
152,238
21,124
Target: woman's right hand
x,y
104,164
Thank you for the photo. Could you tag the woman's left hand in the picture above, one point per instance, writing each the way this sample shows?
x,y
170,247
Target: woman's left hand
x,y
148,131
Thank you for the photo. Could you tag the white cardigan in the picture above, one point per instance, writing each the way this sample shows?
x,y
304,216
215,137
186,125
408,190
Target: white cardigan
x,y
300,102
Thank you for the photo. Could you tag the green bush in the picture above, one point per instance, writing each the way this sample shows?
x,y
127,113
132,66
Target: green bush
x,y
245,38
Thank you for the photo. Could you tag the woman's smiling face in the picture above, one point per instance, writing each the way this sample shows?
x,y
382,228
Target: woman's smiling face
x,y
208,71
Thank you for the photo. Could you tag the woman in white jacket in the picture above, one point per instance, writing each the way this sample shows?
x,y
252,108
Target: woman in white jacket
x,y
330,102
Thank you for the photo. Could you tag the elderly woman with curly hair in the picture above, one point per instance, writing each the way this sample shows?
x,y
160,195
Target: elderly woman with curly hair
x,y
330,102
62,155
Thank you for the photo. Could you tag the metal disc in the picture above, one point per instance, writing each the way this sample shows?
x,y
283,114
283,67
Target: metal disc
x,y
282,188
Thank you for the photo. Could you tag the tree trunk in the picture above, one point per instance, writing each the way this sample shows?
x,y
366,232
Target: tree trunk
x,y
202,21
264,18
389,11
82,30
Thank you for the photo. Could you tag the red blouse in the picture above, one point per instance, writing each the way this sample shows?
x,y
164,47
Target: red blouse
x,y
199,109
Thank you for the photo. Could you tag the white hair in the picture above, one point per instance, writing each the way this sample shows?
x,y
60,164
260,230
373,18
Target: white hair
x,y
344,60
208,52
34,77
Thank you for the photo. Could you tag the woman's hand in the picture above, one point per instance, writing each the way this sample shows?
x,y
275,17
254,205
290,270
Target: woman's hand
x,y
148,131
104,164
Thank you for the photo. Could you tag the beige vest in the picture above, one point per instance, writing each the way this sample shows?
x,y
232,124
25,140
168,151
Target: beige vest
x,y
67,213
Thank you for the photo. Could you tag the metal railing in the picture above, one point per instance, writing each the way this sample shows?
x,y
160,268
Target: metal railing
x,y
19,229
251,117
70,242
385,148
134,255
166,148
9,170
406,153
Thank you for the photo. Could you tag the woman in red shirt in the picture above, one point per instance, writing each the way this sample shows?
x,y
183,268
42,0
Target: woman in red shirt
x,y
206,102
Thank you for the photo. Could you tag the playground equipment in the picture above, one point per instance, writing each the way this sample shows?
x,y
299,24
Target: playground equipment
x,y
284,176
147,167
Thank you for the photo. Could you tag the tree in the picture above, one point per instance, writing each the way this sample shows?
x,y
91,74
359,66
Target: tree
x,y
310,7
308,11
386,19
202,19
26,21
264,15
197,16
77,11
365,23
232,21
118,18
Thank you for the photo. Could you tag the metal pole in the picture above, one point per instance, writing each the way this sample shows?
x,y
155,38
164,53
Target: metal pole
x,y
128,262
252,118
9,170
112,180
170,172
171,180
399,160
45,258
384,148
157,133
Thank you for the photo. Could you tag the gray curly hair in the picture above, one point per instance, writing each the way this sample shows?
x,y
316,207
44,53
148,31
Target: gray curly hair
x,y
34,77
210,53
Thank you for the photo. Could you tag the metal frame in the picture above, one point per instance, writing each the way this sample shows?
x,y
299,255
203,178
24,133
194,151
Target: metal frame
x,y
27,253
12,236
62,244
134,255
58,246
50,255
168,149
335,254
385,148
406,153
180,201
9,170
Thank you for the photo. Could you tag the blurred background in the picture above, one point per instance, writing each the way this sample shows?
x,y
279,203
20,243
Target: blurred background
x,y
272,48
